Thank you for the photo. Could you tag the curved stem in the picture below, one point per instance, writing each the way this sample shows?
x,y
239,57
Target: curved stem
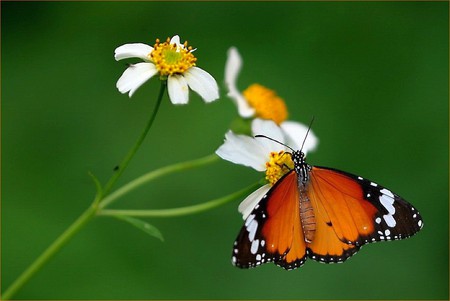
x,y
87,215
150,176
123,165
49,252
172,212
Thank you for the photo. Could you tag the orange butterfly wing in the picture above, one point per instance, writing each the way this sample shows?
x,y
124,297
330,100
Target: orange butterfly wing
x,y
272,232
351,211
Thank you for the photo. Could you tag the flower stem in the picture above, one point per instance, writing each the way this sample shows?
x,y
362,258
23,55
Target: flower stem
x,y
172,212
49,252
152,175
123,165
87,215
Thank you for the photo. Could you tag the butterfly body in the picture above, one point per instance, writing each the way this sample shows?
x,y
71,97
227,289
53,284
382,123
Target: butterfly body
x,y
323,214
306,210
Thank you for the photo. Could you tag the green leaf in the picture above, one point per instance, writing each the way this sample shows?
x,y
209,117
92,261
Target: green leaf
x,y
142,225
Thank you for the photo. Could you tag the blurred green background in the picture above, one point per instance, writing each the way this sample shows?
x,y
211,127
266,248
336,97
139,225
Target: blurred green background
x,y
374,75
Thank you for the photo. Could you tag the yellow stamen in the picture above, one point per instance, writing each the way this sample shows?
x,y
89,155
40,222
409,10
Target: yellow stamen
x,y
280,164
267,104
172,59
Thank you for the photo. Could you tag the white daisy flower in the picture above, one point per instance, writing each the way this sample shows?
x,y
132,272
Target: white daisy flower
x,y
258,101
171,60
264,154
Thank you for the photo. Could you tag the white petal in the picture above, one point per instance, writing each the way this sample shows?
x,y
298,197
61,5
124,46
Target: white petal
x,y
203,83
243,150
271,130
244,109
178,90
134,76
232,69
247,205
268,128
175,40
138,50
295,133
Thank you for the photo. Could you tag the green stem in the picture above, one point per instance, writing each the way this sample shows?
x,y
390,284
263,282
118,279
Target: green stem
x,y
49,252
87,215
150,176
123,165
182,210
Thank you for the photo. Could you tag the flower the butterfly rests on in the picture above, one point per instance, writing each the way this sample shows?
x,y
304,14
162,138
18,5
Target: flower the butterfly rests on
x,y
263,155
172,61
319,213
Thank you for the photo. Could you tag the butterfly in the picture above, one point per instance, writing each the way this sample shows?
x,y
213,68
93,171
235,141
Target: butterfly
x,y
323,214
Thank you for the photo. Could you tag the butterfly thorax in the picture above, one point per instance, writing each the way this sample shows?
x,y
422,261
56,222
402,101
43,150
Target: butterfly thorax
x,y
301,167
307,216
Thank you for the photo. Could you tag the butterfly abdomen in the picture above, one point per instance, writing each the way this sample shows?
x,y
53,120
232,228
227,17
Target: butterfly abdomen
x,y
308,220
307,217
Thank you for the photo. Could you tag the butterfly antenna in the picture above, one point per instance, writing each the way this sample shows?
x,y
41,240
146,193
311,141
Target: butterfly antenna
x,y
307,132
264,136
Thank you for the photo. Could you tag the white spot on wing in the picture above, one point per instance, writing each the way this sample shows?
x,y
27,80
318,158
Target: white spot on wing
x,y
254,247
390,221
387,203
251,228
387,192
249,219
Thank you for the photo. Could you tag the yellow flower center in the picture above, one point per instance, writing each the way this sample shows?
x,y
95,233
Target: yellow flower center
x,y
267,104
280,164
172,58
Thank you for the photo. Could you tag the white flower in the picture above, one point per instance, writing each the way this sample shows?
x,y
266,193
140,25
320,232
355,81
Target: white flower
x,y
257,152
171,60
264,103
